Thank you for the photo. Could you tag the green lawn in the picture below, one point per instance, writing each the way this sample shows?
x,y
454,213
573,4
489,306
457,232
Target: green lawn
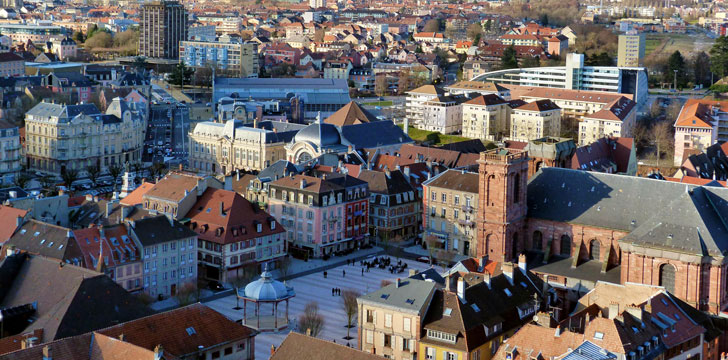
x,y
378,103
436,138
651,45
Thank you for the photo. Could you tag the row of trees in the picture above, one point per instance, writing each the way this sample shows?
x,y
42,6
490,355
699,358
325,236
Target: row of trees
x,y
696,70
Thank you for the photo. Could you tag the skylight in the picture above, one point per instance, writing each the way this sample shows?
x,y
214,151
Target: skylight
x,y
508,292
447,311
598,335
475,307
191,331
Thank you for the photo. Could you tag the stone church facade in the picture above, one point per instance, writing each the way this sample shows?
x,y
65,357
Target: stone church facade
x,y
579,227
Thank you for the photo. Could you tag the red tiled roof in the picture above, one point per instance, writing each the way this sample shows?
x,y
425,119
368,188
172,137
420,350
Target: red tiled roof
x,y
135,197
8,221
697,113
238,221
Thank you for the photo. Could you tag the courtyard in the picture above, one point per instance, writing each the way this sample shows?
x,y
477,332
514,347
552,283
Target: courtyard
x,y
314,287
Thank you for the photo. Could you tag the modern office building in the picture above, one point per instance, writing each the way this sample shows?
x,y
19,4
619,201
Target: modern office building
x,y
163,26
575,76
323,96
227,53
37,33
631,50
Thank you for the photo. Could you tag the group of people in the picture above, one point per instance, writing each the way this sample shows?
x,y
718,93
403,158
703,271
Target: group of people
x,y
335,291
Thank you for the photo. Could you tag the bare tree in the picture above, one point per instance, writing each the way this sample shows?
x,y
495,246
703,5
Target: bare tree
x,y
662,137
115,172
380,84
93,172
432,25
69,176
445,257
284,266
187,294
311,320
348,302
431,241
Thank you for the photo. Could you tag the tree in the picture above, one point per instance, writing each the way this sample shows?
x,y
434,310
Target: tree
x,y
187,294
284,266
156,170
203,77
530,61
21,180
474,31
318,35
47,182
101,39
719,57
600,59
380,84
140,63
675,69
432,25
93,172
181,75
115,172
311,321
404,83
69,176
78,37
488,25
663,139
701,69
508,59
239,281
432,242
126,38
350,306
544,19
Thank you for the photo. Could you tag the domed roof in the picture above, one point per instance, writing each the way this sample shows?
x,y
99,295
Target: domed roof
x,y
266,289
319,134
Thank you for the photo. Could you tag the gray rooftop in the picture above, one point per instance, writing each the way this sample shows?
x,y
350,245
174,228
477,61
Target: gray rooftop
x,y
671,216
411,295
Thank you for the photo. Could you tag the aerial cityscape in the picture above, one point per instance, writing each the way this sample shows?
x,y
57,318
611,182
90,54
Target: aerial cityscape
x,y
360,179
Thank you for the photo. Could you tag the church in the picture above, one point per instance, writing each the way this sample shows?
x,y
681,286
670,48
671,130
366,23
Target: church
x,y
578,227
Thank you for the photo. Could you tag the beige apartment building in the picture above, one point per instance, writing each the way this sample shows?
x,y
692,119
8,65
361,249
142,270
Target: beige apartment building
x,y
390,319
631,50
450,206
486,118
617,119
217,148
60,137
535,120
574,104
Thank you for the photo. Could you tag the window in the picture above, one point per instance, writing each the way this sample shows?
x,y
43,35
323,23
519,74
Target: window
x,y
433,196
451,356
370,337
565,245
228,351
387,340
444,197
457,200
406,324
667,277
370,316
216,355
388,320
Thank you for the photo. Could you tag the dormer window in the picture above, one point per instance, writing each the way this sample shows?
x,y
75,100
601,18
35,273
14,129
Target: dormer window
x,y
259,227
273,225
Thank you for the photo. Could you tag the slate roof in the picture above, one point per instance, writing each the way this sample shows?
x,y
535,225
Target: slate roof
x,y
277,170
383,183
484,305
157,230
89,346
656,214
374,134
37,237
64,112
412,295
447,158
172,187
66,295
539,105
485,100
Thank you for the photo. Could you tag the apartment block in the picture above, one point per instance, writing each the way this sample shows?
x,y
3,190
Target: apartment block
x,y
535,120
486,118
227,53
631,50
163,26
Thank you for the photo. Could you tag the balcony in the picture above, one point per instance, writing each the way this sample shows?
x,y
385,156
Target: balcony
x,y
467,208
468,223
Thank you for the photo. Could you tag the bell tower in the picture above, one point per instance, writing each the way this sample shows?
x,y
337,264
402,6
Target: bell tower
x,y
503,175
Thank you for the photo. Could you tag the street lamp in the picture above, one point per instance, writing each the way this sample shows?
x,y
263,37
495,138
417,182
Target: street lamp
x,y
675,85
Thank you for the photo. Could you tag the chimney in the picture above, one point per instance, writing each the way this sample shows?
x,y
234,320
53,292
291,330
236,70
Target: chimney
x,y
125,211
398,283
89,197
69,234
412,272
121,337
18,221
28,342
636,312
308,331
303,183
447,283
47,353
158,352
507,269
522,262
222,208
461,289
101,232
10,251
109,208
481,263
388,174
558,331
61,192
613,310
237,175
406,172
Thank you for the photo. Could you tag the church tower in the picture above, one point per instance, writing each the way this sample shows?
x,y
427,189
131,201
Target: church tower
x,y
503,176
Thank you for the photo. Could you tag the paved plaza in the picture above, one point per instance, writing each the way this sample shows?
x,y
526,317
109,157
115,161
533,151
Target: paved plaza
x,y
315,287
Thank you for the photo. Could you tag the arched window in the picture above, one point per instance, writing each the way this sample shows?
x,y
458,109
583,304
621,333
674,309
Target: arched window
x,y
565,249
537,240
516,188
538,165
667,277
514,246
594,250
489,188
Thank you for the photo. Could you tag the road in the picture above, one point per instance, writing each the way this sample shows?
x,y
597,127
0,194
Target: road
x,y
168,125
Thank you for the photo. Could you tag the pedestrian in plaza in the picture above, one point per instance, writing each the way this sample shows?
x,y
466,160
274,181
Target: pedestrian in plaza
x,y
343,272
325,274
333,290
362,271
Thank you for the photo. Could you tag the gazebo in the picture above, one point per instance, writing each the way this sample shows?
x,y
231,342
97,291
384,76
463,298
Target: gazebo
x,y
262,292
